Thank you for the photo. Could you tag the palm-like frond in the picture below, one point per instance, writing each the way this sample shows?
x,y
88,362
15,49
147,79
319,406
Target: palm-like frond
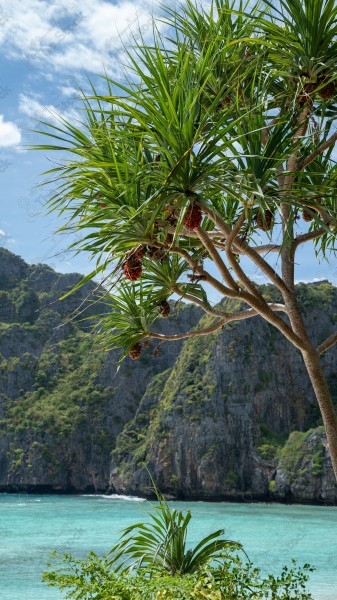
x,y
302,35
131,313
208,114
162,542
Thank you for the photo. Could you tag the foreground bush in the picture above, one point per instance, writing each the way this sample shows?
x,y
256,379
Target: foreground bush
x,y
231,579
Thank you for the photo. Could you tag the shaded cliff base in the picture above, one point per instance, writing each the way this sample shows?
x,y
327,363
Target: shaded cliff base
x,y
302,475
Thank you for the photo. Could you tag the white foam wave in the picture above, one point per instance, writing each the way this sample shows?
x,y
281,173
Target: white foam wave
x,y
115,497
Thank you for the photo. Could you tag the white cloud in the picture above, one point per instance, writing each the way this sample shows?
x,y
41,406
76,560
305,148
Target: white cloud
x,y
5,239
35,110
9,133
68,34
68,90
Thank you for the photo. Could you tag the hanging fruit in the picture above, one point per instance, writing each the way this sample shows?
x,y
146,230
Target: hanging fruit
x,y
132,268
265,221
307,216
328,90
164,309
193,216
136,351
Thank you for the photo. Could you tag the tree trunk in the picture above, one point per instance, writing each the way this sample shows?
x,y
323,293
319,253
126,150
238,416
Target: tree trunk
x,y
317,378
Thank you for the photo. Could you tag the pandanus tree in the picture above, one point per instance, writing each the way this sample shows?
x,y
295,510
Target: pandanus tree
x,y
217,147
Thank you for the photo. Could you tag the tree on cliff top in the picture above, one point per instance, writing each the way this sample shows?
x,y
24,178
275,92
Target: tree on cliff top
x,y
218,146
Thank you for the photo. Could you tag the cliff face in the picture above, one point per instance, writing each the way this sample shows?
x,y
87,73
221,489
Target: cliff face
x,y
217,425
62,404
230,416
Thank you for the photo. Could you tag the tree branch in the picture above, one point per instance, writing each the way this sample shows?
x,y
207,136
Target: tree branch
x,y
328,220
227,318
328,343
288,251
225,291
331,140
276,307
265,130
205,307
244,280
207,243
247,250
292,165
266,248
251,299
306,237
221,244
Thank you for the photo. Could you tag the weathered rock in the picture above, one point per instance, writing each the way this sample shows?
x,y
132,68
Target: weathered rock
x,y
304,471
12,269
62,402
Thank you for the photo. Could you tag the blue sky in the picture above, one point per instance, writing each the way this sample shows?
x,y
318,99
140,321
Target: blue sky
x,y
47,49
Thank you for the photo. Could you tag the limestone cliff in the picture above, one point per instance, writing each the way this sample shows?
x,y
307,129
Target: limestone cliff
x,y
230,416
62,401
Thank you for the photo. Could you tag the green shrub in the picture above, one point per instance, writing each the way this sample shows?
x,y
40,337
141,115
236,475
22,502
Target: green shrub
x,y
232,579
267,451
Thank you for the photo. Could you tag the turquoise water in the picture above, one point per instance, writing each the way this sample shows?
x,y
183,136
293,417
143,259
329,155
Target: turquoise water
x,y
32,525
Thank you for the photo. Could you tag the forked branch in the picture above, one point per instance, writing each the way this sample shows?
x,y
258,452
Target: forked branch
x,y
306,237
227,318
208,244
248,251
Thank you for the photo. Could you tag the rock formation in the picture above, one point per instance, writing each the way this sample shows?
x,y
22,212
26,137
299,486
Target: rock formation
x,y
229,416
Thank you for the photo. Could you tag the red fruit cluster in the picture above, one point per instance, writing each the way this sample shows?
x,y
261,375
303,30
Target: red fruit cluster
x,y
264,222
193,217
328,91
132,268
136,351
307,216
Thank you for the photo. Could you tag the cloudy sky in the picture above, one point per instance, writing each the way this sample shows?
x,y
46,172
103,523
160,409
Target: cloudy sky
x,y
48,48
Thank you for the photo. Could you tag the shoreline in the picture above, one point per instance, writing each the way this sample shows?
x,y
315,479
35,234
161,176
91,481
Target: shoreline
x,y
244,499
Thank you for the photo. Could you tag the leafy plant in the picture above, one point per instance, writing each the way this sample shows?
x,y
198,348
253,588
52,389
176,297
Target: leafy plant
x,y
233,579
162,542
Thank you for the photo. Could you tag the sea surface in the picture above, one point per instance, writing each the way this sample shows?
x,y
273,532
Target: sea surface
x,y
30,526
